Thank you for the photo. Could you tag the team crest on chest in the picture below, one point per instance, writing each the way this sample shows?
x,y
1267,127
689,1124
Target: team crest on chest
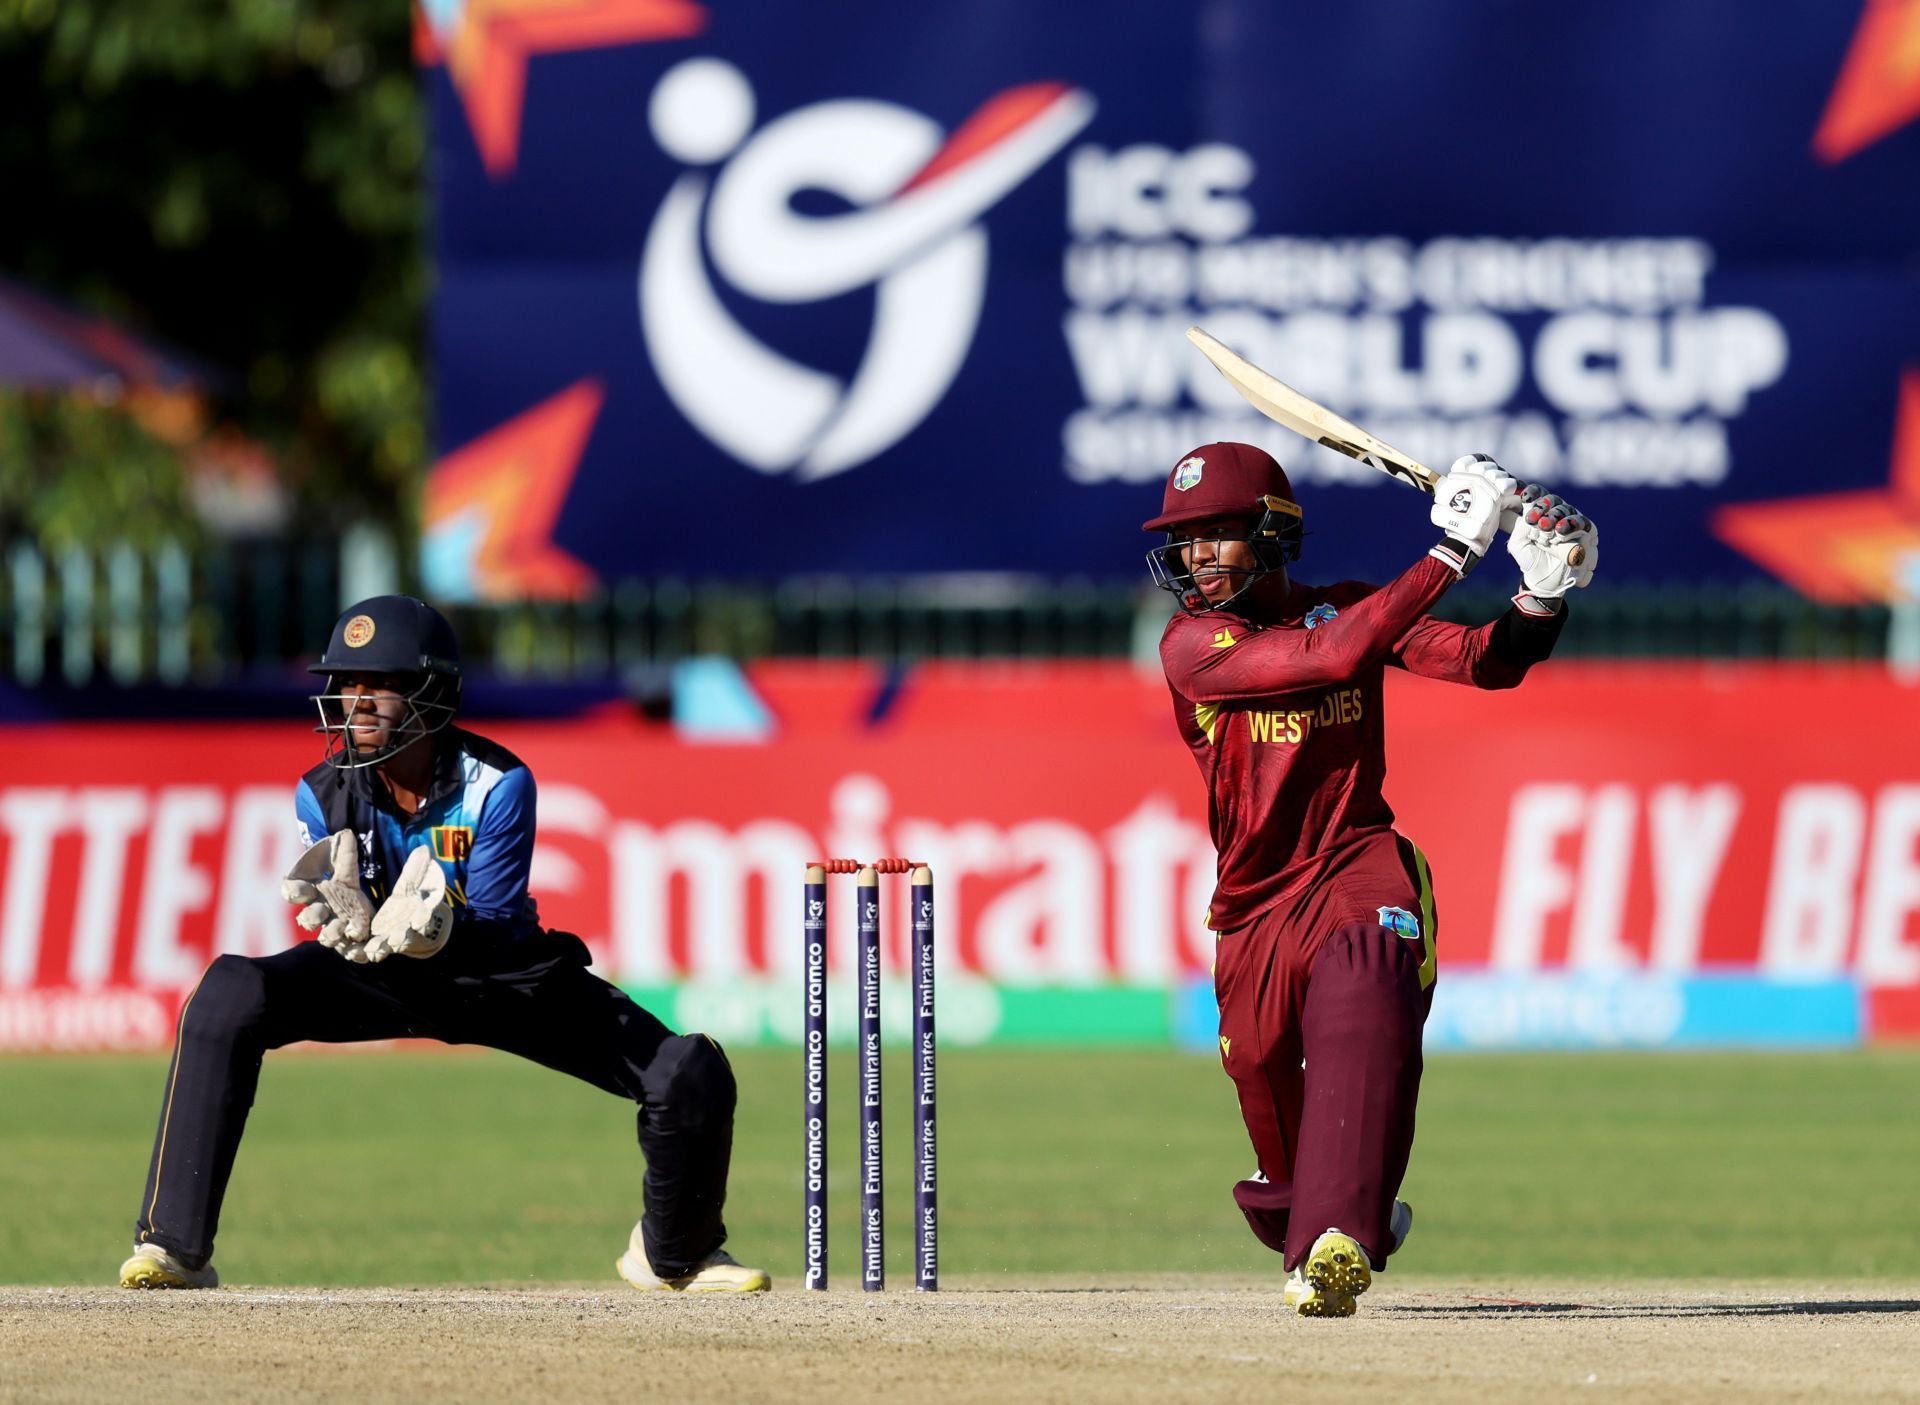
x,y
1319,615
452,842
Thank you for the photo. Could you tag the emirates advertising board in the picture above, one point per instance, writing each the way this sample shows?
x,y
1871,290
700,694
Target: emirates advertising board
x,y
1703,856
874,283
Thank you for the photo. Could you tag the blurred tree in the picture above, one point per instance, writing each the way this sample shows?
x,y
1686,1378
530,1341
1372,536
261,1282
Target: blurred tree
x,y
77,471
242,179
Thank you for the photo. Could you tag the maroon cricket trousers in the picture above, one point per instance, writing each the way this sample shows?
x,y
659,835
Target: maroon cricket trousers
x,y
1322,1000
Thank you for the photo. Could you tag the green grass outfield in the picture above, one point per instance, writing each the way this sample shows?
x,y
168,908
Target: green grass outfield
x,y
421,1166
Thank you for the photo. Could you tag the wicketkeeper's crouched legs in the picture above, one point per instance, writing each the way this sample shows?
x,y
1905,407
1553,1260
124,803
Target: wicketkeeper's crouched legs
x,y
579,1024
242,1007
686,1131
1360,1034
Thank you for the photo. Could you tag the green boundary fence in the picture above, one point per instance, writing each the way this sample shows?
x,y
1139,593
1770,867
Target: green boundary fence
x,y
122,616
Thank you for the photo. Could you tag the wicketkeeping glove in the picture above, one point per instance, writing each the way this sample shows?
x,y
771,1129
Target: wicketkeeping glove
x,y
416,920
325,886
1545,538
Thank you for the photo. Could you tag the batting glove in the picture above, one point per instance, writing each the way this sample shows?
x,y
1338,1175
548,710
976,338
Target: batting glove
x,y
1550,533
1502,482
1469,505
416,920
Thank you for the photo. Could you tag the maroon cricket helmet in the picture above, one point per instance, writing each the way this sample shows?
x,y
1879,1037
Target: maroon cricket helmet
x,y
1222,480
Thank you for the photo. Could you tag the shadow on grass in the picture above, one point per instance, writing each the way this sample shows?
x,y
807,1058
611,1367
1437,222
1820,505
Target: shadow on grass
x,y
1508,1307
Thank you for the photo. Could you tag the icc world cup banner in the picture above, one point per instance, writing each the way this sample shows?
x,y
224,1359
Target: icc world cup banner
x,y
846,287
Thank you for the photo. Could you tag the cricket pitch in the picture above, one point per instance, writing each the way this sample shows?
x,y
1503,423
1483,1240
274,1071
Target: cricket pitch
x,y
1030,1339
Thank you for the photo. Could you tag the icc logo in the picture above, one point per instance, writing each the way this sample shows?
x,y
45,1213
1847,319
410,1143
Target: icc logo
x,y
912,234
816,910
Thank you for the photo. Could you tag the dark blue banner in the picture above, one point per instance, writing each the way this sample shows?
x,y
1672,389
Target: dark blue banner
x,y
753,290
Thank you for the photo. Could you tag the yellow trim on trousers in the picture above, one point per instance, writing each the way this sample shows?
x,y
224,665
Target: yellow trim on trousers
x,y
166,1115
1429,963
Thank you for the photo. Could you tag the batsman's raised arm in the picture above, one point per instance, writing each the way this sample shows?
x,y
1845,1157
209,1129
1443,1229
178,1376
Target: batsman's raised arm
x,y
1228,547
1213,663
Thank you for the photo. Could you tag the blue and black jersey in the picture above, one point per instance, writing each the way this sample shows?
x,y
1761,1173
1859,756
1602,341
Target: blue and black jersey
x,y
478,820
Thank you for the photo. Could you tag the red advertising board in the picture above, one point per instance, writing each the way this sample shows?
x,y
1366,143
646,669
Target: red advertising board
x,y
1673,818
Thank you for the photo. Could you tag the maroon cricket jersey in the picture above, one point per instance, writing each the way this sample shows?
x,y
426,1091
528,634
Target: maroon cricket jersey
x,y
1283,716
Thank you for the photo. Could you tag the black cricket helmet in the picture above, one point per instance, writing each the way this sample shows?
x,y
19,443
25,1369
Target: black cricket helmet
x,y
397,636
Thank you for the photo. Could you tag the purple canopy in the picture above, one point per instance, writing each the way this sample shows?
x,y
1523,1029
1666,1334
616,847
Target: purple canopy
x,y
45,344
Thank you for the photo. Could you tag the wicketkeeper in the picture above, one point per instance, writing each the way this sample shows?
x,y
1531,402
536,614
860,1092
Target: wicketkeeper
x,y
1324,915
418,838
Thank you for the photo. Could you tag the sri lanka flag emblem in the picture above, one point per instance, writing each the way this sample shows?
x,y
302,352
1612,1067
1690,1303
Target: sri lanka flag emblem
x,y
452,843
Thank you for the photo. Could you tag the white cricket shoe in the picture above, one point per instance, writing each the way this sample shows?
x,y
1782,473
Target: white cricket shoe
x,y
717,1273
1336,1264
1401,1225
1335,1271
1311,1300
153,1267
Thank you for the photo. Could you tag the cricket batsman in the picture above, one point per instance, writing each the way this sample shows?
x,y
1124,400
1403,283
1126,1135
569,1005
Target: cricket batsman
x,y
418,838
1324,915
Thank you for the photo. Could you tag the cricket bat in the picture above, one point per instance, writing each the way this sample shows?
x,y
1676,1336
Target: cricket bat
x,y
1284,405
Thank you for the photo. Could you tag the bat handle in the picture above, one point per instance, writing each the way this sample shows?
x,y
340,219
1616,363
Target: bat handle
x,y
1576,556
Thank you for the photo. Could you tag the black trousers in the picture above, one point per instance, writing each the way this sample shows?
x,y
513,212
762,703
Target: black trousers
x,y
528,996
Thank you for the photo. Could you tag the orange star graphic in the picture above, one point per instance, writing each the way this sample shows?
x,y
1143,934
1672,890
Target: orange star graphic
x,y
490,42
1841,548
513,479
1878,89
